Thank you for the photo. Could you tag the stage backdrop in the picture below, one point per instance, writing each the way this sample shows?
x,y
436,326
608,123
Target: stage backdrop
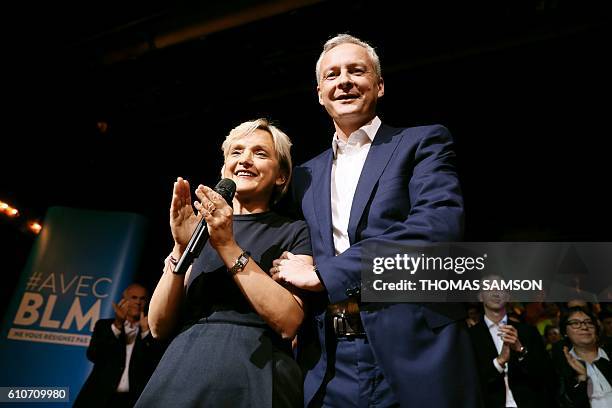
x,y
81,262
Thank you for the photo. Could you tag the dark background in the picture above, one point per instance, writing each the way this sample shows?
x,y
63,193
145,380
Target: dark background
x,y
522,85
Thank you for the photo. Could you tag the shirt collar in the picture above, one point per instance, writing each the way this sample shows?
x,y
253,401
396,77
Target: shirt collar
x,y
600,354
490,322
356,137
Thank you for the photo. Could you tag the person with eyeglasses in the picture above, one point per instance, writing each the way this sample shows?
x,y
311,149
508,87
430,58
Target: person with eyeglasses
x,y
586,372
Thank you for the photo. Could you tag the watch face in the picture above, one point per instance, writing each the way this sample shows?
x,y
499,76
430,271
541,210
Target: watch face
x,y
240,263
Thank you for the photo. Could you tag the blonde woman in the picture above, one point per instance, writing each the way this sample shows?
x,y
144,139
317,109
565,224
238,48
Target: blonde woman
x,y
234,348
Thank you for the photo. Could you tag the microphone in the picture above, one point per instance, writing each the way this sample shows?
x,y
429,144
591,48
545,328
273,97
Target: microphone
x,y
226,188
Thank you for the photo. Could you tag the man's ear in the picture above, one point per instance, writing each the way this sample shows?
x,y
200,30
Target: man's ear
x,y
319,95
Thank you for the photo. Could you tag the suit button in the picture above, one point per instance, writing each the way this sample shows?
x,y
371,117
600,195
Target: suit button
x,y
349,292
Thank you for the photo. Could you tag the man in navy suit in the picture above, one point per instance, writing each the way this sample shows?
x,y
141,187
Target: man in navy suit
x,y
376,185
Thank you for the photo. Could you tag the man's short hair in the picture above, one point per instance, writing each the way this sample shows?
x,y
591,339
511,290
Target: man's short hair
x,y
134,285
348,39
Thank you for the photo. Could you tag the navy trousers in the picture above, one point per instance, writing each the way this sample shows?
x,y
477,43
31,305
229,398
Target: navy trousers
x,y
354,379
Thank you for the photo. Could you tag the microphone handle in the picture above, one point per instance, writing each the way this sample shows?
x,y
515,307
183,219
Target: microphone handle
x,y
195,245
226,188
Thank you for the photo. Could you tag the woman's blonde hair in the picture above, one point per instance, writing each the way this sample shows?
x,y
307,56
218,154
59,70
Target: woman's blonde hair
x,y
282,145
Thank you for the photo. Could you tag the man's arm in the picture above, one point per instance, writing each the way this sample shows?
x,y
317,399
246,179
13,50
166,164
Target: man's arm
x,y
104,344
487,363
571,386
534,363
149,351
436,215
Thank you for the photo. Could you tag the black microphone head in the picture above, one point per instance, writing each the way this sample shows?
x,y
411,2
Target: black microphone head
x,y
227,188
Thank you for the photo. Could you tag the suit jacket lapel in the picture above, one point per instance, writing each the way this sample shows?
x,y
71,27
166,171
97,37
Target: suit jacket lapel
x,y
487,340
379,155
321,196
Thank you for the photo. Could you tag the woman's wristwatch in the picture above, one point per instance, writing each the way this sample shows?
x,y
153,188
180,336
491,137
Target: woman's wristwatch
x,y
240,263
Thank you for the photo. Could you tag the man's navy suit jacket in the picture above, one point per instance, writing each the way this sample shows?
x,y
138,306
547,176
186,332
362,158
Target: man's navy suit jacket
x,y
408,193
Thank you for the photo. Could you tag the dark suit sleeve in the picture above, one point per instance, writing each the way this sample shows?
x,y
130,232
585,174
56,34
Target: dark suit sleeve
x,y
570,392
534,372
436,213
573,394
535,365
145,357
485,352
104,345
487,371
152,348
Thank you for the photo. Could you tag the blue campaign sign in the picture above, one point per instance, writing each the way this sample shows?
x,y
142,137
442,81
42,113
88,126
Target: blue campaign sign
x,y
81,262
